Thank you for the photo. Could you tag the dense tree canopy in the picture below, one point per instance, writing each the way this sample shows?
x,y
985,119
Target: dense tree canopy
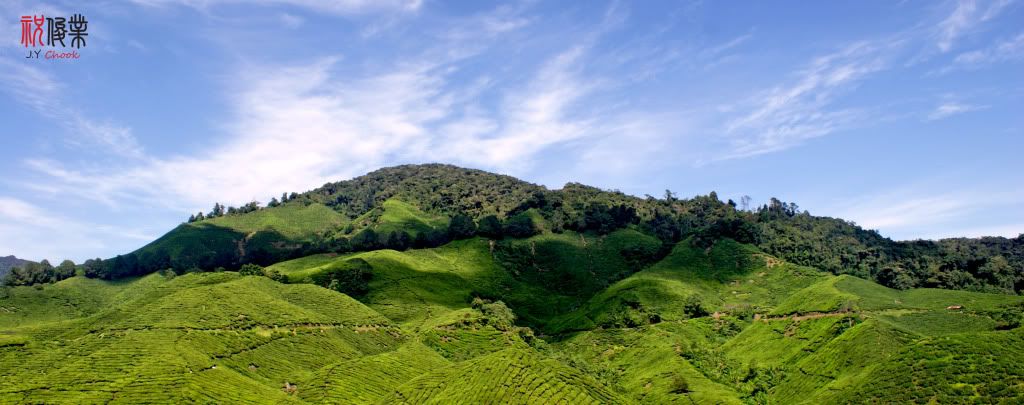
x,y
39,273
461,226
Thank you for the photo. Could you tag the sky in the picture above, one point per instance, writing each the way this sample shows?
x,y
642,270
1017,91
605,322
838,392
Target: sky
x,y
902,116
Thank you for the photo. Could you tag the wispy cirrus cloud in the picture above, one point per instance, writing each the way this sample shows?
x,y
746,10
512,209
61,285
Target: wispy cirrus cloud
x,y
300,126
966,17
40,91
294,127
807,107
1006,50
529,119
918,211
24,225
515,89
951,108
788,114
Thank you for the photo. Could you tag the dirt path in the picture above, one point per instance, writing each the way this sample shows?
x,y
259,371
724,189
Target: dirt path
x,y
809,315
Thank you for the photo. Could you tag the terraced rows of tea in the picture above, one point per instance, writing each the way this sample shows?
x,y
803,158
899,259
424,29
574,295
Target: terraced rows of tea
x,y
196,336
507,376
475,321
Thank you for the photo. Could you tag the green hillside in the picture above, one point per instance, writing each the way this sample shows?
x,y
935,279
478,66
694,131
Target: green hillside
x,y
198,337
412,207
434,284
759,330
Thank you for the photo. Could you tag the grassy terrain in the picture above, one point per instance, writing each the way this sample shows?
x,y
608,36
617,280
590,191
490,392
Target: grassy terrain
x,y
728,277
267,233
398,216
293,221
593,324
197,337
508,376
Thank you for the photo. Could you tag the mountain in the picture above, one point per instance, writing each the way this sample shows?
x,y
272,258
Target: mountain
x,y
437,284
8,262
418,201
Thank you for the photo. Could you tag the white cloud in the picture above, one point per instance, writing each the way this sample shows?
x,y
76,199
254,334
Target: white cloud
x,y
531,118
35,233
298,127
12,10
1011,49
291,21
965,18
887,212
951,108
917,212
294,127
1005,230
788,114
37,89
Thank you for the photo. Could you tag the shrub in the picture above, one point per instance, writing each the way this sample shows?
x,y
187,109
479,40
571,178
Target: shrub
x,y
250,269
520,226
693,307
168,273
461,227
679,385
275,275
490,227
499,315
351,277
367,239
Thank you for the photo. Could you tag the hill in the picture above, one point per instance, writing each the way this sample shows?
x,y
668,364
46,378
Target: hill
x,y
412,206
436,284
459,323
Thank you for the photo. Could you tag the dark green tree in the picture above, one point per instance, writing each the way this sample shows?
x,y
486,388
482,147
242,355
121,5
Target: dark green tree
x,y
399,240
339,245
520,226
93,268
366,239
66,269
998,273
490,227
461,227
351,277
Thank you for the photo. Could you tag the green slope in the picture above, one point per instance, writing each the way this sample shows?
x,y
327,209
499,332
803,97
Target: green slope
x,y
511,376
261,236
719,324
977,367
397,216
199,337
540,277
368,379
728,277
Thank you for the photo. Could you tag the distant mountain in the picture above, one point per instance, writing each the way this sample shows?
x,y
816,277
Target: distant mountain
x,y
6,263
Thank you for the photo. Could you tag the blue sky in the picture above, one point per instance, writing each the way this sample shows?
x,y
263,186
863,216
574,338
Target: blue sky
x,y
901,116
